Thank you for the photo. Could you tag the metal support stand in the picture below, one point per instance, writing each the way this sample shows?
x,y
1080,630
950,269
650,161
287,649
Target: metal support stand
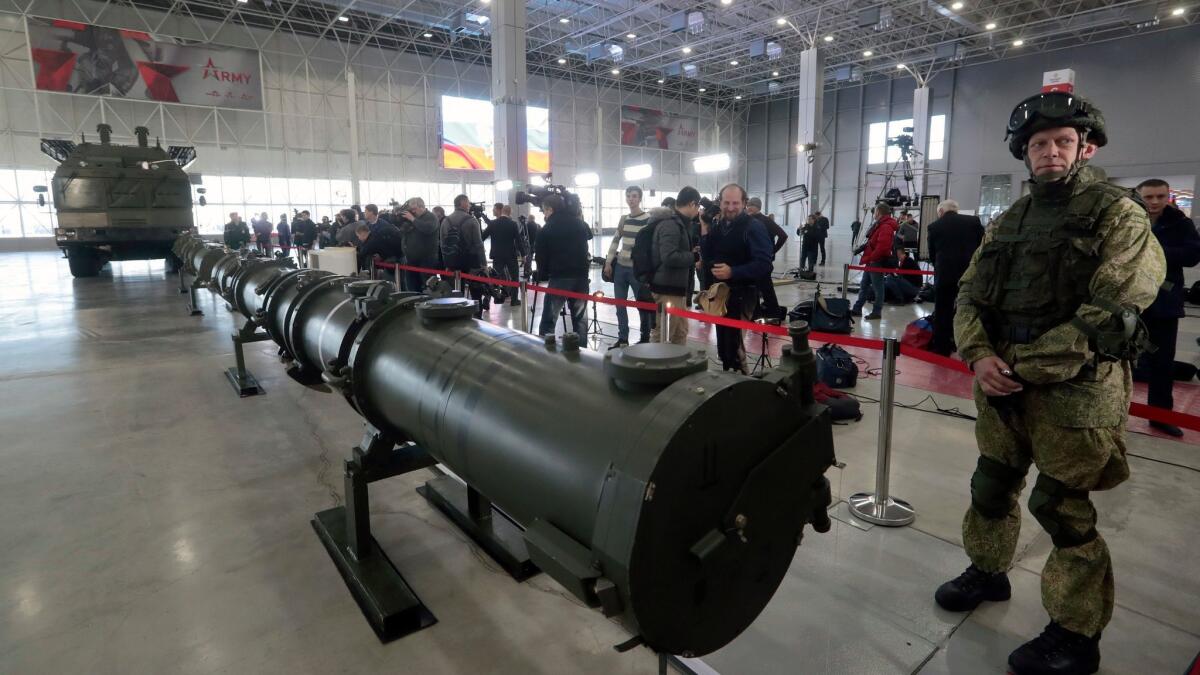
x,y
763,363
399,284
457,281
374,271
243,382
845,279
881,508
523,294
533,312
182,285
495,532
595,331
193,304
386,599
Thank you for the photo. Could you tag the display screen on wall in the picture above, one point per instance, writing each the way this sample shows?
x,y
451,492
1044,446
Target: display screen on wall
x,y
467,136
649,128
81,58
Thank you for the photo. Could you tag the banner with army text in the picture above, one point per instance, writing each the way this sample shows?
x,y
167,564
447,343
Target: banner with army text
x,y
80,58
650,128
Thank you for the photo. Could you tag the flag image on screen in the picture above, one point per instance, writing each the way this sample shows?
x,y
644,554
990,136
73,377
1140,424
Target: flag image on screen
x,y
467,135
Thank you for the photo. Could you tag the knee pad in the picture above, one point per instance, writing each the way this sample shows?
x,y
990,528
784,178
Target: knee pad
x,y
1045,503
994,485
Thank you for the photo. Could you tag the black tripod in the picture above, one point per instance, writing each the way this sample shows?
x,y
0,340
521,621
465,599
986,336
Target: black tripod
x,y
763,363
595,332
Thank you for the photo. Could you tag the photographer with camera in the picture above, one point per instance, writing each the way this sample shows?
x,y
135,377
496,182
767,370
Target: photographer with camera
x,y
876,252
618,267
462,248
381,244
563,261
736,252
508,243
419,236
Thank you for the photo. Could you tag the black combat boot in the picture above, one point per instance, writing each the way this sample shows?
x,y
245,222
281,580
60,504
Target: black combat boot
x,y
1057,651
969,589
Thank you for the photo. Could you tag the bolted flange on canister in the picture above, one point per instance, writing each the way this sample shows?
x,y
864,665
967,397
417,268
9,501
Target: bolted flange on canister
x,y
652,365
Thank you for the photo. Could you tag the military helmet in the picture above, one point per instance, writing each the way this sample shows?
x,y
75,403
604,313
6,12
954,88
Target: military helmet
x,y
1051,110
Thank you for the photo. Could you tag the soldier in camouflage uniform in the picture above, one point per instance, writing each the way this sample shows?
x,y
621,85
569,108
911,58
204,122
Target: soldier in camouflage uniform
x,y
1048,319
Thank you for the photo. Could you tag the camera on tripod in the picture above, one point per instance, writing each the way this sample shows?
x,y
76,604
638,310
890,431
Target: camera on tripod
x,y
477,209
537,194
903,141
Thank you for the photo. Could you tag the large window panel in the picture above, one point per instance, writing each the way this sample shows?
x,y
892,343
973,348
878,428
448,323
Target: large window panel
x,y
278,191
937,137
38,221
301,191
231,190
257,188
8,187
10,220
321,192
876,142
27,179
340,190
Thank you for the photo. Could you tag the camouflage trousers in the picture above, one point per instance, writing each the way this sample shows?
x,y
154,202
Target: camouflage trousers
x,y
1077,581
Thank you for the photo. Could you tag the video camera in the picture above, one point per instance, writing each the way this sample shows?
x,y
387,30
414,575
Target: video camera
x,y
537,194
903,141
895,198
709,209
477,209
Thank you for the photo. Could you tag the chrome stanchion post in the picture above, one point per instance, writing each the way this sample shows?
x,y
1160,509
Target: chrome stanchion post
x,y
524,317
881,508
664,322
373,269
399,286
457,281
845,278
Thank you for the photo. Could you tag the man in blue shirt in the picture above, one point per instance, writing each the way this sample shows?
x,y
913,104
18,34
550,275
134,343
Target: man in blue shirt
x,y
735,251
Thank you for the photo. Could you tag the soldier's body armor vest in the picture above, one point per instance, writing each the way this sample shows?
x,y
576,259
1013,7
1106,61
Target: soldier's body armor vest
x,y
1035,271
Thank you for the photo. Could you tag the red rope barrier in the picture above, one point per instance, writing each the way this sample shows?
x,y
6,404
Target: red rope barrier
x,y
621,302
490,280
935,359
891,270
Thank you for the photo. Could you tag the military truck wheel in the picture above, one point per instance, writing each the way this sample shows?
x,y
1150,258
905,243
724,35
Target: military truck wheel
x,y
84,264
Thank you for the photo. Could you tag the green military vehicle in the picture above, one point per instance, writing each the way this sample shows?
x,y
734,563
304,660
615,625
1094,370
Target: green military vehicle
x,y
119,202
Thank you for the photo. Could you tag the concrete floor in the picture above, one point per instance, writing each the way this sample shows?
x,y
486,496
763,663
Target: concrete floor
x,y
153,522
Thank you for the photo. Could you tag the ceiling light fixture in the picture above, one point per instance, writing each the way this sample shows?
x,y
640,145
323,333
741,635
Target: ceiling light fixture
x,y
900,66
868,52
829,38
615,71
1178,11
660,80
774,73
990,26
738,97
343,19
427,35
638,172
242,2
733,62
956,6
562,62
589,179
504,185
630,36
781,21
702,90
711,163
485,1
687,50
727,2
1018,43
564,20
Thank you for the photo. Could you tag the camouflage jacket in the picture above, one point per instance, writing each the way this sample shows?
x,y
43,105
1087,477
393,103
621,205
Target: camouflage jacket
x,y
1062,372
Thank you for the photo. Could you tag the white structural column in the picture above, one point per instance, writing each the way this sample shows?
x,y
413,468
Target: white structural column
x,y
808,131
508,94
920,138
352,109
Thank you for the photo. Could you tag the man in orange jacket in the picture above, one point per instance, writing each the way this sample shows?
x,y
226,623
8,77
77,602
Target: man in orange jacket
x,y
876,252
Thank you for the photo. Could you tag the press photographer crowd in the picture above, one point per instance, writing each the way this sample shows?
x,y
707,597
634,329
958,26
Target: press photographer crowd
x,y
695,253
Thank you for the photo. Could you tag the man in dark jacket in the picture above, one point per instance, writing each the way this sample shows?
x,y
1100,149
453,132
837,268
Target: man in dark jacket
x,y
419,232
673,260
1180,243
285,234
531,233
766,285
304,231
462,250
262,233
736,251
237,234
952,240
876,252
564,263
822,225
508,242
382,244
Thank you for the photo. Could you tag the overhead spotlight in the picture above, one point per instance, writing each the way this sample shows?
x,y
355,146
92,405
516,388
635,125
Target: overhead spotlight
x,y
615,71
711,163
660,80
564,20
702,90
686,50
868,52
733,62
990,26
589,179
504,185
343,19
774,73
638,172
1018,43
829,38
562,62
1178,11
426,35
630,36
727,2
956,6
738,97
486,1
537,181
781,21
242,2
900,66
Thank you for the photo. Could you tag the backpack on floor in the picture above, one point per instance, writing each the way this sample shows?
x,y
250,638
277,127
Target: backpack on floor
x,y
841,406
835,367
801,312
918,334
831,315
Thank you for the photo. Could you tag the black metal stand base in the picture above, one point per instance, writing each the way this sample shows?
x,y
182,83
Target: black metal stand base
x,y
386,599
245,385
495,533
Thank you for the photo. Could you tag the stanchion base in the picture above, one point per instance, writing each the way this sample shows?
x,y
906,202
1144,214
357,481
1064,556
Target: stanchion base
x,y
893,513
